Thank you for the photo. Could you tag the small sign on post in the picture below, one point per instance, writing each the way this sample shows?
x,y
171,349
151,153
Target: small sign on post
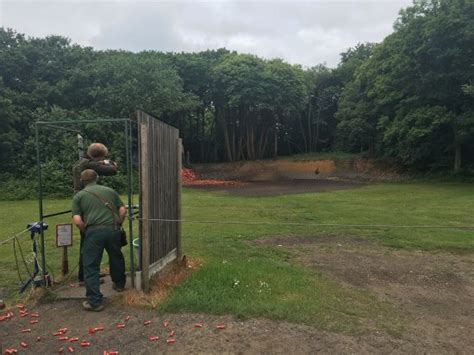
x,y
64,240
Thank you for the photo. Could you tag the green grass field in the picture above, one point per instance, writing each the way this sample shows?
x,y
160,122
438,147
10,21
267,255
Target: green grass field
x,y
258,281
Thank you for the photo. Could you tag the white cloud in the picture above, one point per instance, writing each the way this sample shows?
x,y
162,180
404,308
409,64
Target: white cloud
x,y
305,32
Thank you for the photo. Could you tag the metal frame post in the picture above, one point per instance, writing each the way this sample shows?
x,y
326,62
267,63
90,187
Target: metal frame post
x,y
128,163
40,205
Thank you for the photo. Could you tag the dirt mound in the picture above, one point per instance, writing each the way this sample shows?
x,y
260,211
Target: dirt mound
x,y
356,169
190,178
434,290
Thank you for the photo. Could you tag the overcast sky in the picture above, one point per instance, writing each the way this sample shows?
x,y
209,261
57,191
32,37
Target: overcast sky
x,y
304,32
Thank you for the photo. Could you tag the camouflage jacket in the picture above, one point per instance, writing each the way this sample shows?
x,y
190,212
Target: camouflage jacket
x,y
100,167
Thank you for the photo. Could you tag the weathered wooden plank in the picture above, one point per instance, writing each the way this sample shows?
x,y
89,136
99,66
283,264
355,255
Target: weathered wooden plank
x,y
145,203
160,166
179,144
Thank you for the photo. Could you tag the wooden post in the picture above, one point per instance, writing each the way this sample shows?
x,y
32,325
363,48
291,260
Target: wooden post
x,y
145,206
179,250
65,263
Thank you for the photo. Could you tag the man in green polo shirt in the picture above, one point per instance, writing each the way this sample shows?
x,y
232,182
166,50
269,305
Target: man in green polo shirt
x,y
98,212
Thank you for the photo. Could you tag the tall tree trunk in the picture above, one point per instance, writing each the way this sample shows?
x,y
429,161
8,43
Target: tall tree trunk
x,y
310,133
318,123
202,134
248,142
233,140
457,157
265,141
275,141
241,154
254,150
303,134
220,117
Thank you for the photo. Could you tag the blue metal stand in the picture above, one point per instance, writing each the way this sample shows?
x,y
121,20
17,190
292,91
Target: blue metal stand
x,y
37,279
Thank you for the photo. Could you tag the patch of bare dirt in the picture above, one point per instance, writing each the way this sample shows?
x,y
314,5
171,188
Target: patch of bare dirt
x,y
435,290
357,169
284,187
254,336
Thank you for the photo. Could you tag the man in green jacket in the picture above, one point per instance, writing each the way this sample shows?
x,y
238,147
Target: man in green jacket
x,y
98,212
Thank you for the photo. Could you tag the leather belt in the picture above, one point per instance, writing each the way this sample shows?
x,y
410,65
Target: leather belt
x,y
101,226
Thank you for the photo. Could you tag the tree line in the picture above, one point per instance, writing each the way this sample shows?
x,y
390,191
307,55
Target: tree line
x,y
408,99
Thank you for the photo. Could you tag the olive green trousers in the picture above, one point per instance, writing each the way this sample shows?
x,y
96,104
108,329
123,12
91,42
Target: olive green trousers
x,y
95,241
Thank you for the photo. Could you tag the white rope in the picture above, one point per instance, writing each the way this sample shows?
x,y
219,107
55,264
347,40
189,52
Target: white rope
x,y
307,224
16,235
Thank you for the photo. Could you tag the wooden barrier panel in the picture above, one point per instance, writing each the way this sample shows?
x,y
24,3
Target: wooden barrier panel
x,y
160,190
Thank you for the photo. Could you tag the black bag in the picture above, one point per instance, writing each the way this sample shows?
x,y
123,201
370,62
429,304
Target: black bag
x,y
123,237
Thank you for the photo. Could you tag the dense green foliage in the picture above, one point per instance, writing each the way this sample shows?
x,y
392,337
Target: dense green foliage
x,y
408,99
